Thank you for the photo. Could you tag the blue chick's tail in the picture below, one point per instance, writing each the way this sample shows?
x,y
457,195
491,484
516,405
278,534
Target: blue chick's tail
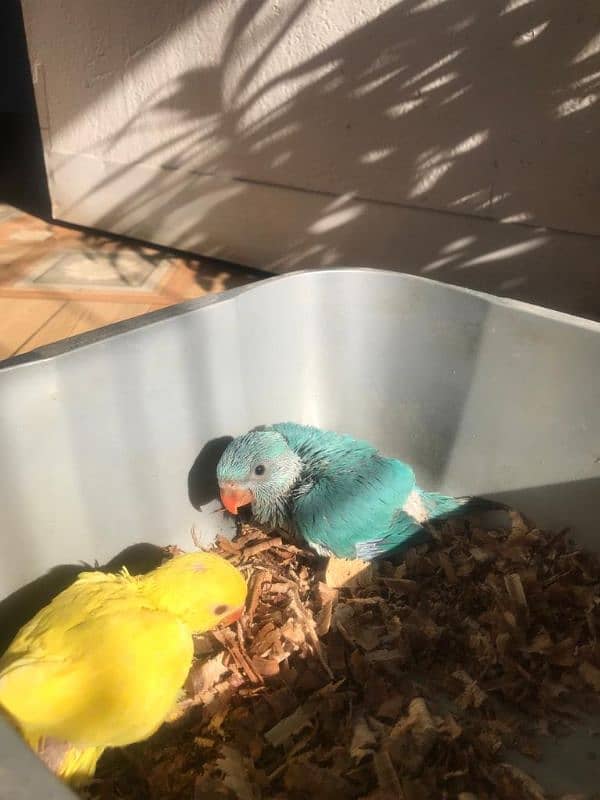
x,y
411,527
441,506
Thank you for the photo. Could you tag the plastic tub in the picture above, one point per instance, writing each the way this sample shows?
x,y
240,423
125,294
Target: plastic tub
x,y
100,434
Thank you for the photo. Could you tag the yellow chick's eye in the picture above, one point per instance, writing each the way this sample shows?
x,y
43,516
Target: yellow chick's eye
x,y
218,610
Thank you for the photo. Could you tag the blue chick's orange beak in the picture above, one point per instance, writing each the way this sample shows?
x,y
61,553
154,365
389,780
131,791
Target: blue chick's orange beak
x,y
234,497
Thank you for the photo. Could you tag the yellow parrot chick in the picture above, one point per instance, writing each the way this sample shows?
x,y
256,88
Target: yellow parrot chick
x,y
103,664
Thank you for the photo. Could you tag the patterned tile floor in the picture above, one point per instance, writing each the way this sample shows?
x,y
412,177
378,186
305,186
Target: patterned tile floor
x,y
57,282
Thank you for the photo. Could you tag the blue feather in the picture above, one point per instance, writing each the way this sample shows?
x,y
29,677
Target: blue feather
x,y
339,493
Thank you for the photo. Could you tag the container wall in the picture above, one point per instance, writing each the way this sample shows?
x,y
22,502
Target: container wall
x,y
98,435
479,395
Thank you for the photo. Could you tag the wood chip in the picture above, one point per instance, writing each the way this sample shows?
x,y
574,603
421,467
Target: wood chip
x,y
326,594
290,726
387,777
245,664
448,567
514,784
204,742
363,739
258,581
266,667
472,696
255,549
514,587
205,674
408,678
227,546
235,773
591,675
422,726
402,585
324,619
342,572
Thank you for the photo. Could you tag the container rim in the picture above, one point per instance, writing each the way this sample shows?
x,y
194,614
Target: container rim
x,y
160,316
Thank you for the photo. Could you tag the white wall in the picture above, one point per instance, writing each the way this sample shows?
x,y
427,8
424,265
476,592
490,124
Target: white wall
x,y
322,132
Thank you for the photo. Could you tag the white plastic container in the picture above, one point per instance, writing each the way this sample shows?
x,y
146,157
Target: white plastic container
x,y
481,395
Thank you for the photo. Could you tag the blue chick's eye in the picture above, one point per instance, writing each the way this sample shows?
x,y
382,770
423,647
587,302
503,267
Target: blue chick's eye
x,y
259,470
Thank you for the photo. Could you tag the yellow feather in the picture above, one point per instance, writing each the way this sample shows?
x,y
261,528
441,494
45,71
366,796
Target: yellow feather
x,y
102,664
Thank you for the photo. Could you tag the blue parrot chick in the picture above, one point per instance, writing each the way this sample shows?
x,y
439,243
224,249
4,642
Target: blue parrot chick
x,y
338,493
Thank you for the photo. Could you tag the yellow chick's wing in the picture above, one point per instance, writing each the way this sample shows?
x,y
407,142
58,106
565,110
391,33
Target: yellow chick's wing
x,y
109,680
89,594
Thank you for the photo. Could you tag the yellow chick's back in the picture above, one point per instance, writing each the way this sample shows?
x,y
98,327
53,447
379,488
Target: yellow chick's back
x,y
102,664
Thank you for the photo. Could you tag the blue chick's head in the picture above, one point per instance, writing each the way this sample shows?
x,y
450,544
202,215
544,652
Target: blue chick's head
x,y
261,469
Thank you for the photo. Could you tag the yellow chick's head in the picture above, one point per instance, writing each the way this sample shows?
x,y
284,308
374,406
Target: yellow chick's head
x,y
201,589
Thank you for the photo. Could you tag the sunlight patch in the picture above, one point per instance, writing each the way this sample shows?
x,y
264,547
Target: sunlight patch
x,y
521,216
458,244
366,88
575,104
427,5
336,220
437,83
442,62
506,252
429,179
403,108
373,156
513,5
592,48
531,35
